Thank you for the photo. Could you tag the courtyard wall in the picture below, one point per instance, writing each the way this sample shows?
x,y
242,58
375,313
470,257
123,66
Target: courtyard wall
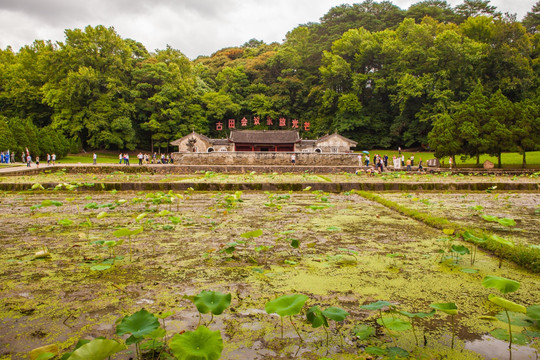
x,y
265,158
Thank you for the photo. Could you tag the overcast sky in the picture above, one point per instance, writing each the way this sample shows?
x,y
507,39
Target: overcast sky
x,y
195,27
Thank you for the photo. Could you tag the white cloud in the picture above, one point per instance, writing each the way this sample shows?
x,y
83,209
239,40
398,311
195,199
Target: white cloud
x,y
195,27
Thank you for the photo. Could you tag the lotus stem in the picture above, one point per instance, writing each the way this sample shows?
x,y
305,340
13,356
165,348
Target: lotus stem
x,y
327,336
211,319
509,331
453,331
282,327
294,326
414,332
200,319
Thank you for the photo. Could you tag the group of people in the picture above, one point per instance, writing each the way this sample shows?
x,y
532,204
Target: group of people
x,y
145,159
7,157
381,162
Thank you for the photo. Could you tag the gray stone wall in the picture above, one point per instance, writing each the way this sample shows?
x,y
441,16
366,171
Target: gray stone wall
x,y
265,158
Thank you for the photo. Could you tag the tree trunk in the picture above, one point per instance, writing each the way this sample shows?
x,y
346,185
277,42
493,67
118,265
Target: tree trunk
x,y
152,143
477,159
524,165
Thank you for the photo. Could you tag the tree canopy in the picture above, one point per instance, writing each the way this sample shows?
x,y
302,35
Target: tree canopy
x,y
460,80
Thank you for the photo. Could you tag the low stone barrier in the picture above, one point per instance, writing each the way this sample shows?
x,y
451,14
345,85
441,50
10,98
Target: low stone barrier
x,y
266,158
323,186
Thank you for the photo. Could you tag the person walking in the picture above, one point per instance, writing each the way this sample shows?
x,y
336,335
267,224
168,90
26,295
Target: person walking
x,y
37,161
402,160
140,157
293,159
120,158
360,160
420,168
23,158
28,160
126,159
94,157
450,162
367,159
408,164
53,159
48,159
412,160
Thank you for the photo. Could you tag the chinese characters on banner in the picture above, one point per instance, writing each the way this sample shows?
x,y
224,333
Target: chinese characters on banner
x,y
282,122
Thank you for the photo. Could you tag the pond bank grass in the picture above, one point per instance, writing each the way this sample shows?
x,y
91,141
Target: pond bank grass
x,y
526,256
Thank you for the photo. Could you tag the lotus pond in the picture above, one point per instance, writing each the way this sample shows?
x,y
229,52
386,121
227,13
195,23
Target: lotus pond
x,y
350,277
60,175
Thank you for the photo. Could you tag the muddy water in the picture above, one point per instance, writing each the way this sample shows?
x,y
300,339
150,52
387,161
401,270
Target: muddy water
x,y
351,252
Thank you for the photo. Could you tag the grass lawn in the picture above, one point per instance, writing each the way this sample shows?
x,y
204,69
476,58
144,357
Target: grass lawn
x,y
509,160
86,158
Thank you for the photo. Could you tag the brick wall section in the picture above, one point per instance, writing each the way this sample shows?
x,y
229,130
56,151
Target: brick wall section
x,y
265,158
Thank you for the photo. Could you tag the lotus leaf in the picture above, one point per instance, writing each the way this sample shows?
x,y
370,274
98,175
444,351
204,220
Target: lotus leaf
x,y
378,305
138,325
97,349
504,285
122,232
507,304
163,213
394,324
448,308
201,344
286,305
47,349
252,234
212,301
315,317
37,187
362,332
397,352
101,215
460,249
534,312
140,217
490,218
335,313
470,237
507,222
502,334
501,240
518,319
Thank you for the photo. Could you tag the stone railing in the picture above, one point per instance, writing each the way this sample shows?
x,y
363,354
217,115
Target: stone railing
x,y
265,158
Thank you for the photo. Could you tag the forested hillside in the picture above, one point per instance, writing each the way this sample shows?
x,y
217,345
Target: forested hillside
x,y
462,80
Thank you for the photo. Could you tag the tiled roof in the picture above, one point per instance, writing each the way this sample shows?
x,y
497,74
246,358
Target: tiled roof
x,y
265,136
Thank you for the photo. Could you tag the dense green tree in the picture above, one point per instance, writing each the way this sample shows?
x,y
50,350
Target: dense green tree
x,y
531,21
7,141
439,10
